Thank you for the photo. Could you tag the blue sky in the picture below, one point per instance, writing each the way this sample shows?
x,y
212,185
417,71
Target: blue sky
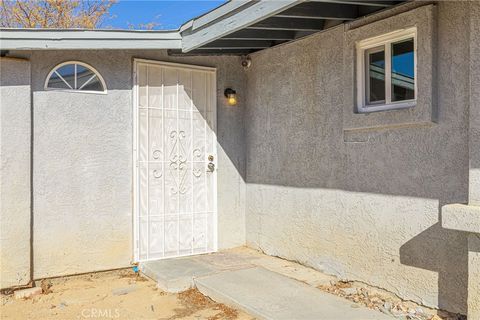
x,y
167,14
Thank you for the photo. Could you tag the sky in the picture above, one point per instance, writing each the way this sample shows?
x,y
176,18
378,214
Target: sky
x,y
165,14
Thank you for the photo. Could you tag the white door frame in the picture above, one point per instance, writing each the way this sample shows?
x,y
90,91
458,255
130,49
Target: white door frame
x,y
135,144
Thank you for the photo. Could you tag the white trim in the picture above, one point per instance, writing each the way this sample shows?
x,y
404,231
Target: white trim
x,y
135,186
174,65
238,19
50,39
384,40
75,63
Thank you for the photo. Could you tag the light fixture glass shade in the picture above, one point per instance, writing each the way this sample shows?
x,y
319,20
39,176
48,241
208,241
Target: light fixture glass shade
x,y
231,96
232,99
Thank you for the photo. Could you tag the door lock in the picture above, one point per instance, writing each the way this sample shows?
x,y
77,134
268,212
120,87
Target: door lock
x,y
210,158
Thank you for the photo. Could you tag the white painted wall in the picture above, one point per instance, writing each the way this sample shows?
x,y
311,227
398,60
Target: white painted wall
x,y
14,172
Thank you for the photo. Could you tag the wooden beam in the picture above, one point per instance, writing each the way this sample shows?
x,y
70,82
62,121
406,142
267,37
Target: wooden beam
x,y
294,24
236,20
318,10
247,34
238,44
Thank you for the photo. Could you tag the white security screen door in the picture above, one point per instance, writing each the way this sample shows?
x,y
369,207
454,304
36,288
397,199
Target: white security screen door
x,y
175,157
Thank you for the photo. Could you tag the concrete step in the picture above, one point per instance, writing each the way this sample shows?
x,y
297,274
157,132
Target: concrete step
x,y
268,295
175,275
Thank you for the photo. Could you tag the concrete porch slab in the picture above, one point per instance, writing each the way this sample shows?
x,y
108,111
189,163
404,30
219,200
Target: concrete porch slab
x,y
269,295
175,275
264,286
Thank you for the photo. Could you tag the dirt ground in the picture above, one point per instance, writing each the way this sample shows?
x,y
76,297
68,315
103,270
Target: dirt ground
x,y
113,295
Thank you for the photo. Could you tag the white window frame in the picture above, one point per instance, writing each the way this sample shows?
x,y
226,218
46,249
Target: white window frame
x,y
83,64
370,45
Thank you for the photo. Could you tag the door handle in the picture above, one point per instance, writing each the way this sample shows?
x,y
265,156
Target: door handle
x,y
211,167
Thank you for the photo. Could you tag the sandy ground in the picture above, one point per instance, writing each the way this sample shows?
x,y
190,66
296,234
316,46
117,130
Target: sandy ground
x,y
113,295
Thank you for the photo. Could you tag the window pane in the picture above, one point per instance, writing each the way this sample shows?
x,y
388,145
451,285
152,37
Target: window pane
x,y
56,82
83,75
403,74
84,78
93,85
376,77
68,74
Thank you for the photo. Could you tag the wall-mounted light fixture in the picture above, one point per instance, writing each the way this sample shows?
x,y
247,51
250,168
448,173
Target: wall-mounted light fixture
x,y
231,96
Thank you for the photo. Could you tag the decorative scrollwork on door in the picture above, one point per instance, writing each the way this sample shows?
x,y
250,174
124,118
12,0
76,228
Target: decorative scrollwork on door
x,y
178,160
156,154
157,174
197,153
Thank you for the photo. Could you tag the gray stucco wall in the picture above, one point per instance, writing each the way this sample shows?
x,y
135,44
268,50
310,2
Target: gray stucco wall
x,y
361,204
14,172
82,173
474,197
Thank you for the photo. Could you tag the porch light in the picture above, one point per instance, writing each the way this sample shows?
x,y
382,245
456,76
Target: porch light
x,y
231,96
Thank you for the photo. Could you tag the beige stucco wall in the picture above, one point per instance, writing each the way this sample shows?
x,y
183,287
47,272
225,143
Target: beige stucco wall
x,y
82,172
15,109
362,201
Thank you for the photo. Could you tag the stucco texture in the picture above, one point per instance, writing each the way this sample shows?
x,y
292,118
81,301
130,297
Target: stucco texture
x,y
82,173
365,207
14,172
474,276
474,197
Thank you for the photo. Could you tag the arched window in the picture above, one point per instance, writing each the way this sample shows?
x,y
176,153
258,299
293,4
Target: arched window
x,y
75,76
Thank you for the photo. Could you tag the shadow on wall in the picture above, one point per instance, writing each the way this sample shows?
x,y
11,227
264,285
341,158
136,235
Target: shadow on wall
x,y
295,139
445,252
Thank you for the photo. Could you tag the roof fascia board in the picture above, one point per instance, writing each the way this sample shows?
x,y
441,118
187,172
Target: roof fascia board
x,y
221,11
29,44
244,17
21,39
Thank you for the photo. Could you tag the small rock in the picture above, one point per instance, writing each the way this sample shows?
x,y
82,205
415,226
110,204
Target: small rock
x,y
387,305
384,310
376,300
349,291
28,293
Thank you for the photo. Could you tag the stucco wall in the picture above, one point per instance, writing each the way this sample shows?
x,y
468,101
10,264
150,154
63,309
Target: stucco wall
x,y
14,172
82,173
361,204
474,197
